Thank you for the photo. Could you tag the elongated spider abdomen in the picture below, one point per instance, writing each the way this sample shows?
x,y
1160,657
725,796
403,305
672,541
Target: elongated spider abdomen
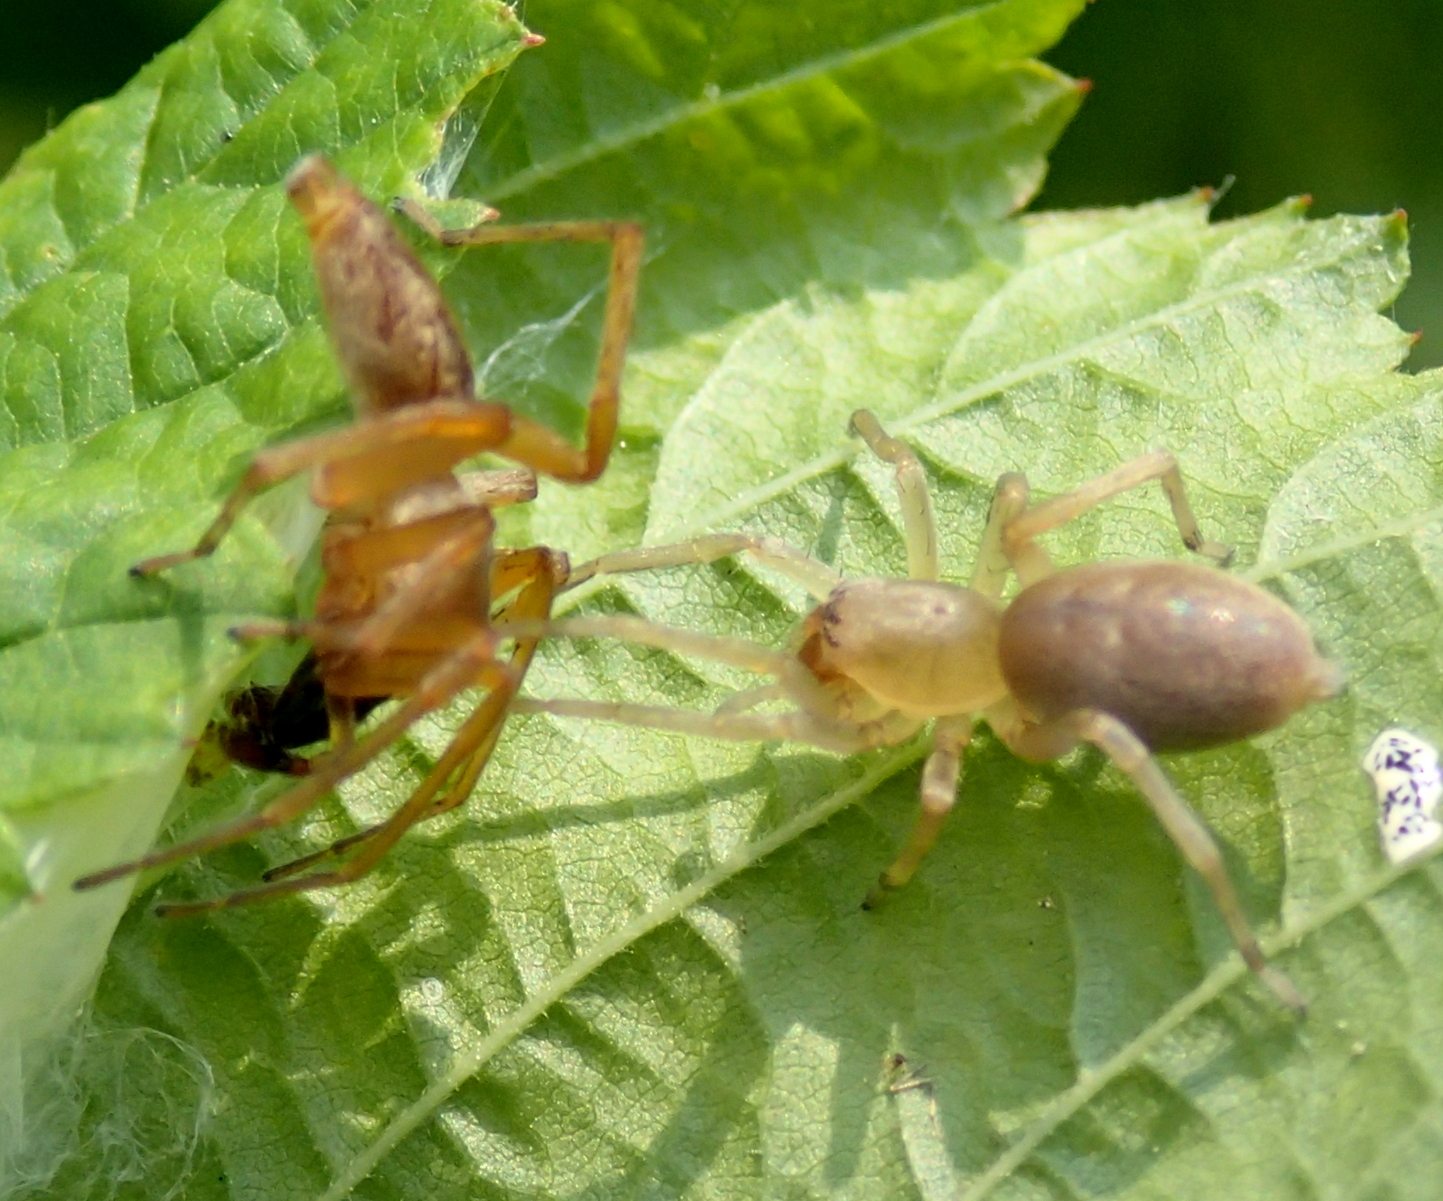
x,y
394,334
1186,655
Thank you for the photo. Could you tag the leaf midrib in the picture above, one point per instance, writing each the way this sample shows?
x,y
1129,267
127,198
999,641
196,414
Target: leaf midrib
x,y
636,132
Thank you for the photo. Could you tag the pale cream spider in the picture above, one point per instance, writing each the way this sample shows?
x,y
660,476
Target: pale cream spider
x,y
1131,656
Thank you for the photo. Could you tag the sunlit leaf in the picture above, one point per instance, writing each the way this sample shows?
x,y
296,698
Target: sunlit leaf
x,y
635,964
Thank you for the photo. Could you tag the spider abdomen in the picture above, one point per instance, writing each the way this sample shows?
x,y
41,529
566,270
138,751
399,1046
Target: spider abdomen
x,y
1186,655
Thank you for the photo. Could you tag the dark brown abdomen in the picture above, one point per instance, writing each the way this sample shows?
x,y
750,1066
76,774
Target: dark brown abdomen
x,y
1186,655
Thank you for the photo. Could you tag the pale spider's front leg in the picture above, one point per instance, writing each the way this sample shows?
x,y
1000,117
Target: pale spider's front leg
x,y
793,726
728,723
919,522
815,576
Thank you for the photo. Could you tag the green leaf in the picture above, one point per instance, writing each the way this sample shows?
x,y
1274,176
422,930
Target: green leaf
x,y
157,324
634,964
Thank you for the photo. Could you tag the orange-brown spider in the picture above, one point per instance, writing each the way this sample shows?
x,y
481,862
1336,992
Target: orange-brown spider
x,y
410,573
266,724
1132,657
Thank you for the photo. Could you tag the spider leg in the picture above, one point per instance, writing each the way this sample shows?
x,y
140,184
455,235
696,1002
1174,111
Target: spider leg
x,y
1158,465
360,460
472,747
815,576
940,777
919,522
533,444
472,665
1183,826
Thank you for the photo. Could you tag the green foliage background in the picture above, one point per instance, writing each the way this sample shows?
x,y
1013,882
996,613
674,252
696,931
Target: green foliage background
x,y
1339,101
635,965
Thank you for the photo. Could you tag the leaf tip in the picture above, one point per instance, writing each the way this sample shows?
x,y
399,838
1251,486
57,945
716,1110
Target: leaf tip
x,y
1395,230
532,39
1082,86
